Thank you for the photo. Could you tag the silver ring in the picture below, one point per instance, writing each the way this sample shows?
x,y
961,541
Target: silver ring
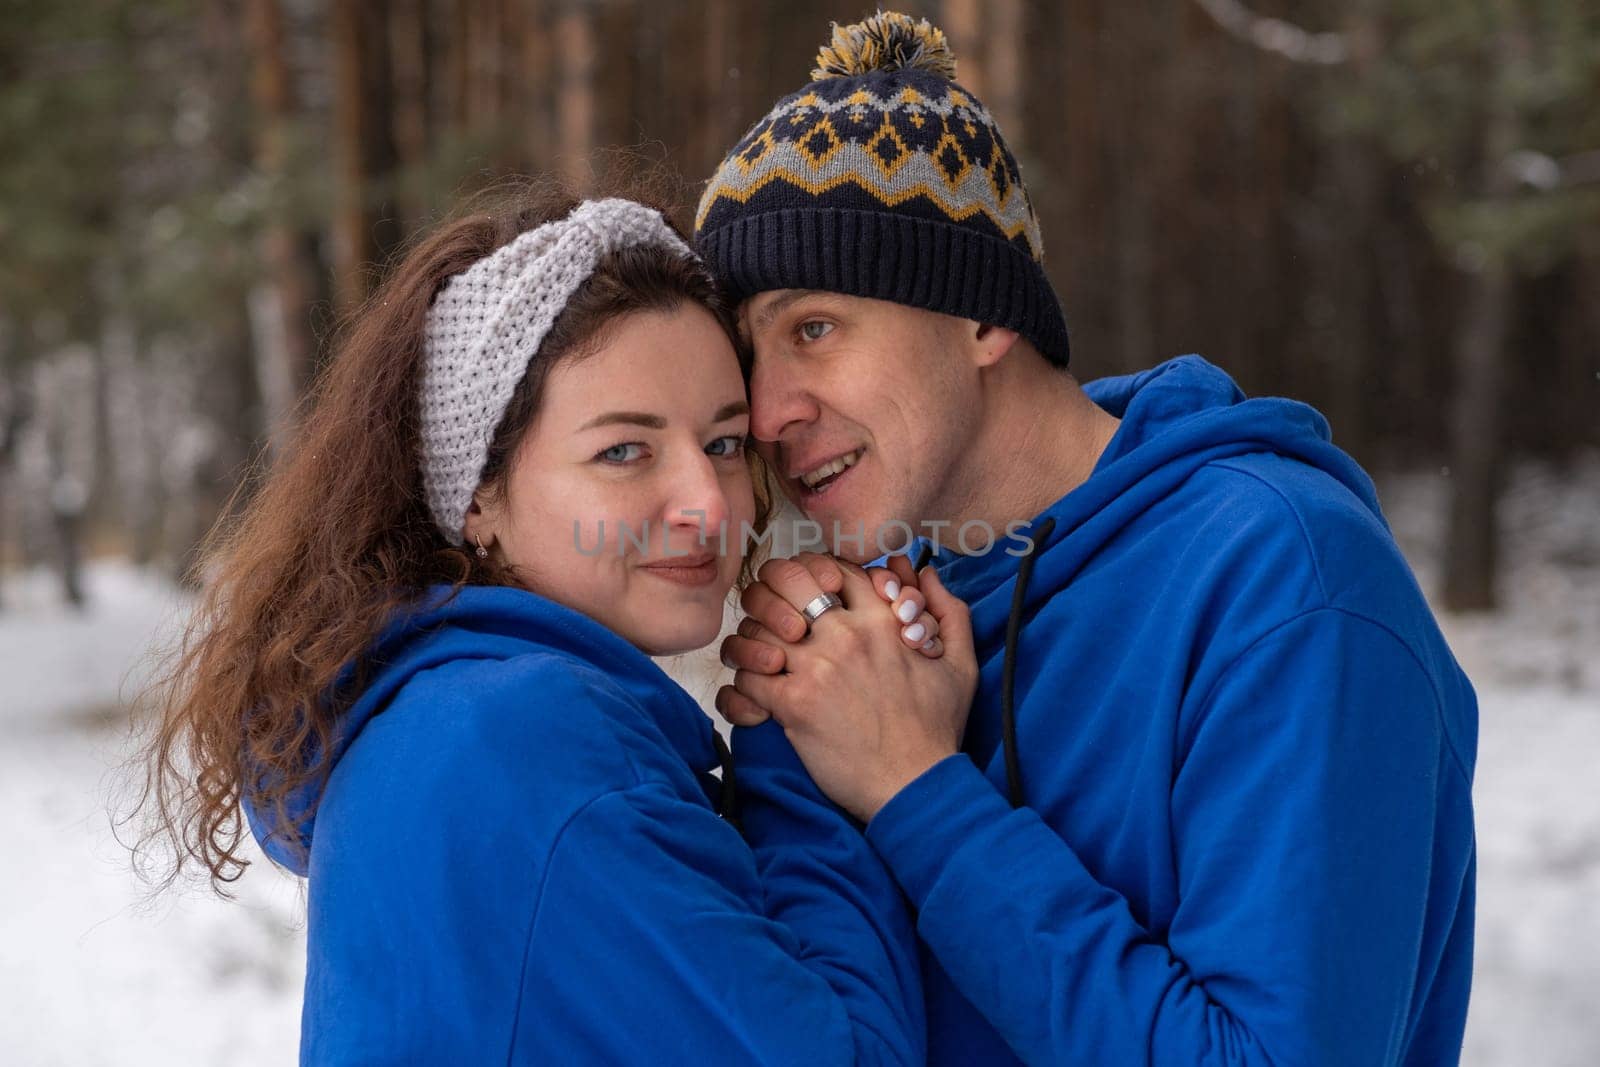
x,y
818,605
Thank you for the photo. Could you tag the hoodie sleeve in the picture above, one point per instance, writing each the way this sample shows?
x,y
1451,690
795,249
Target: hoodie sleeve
x,y
655,941
1303,817
820,877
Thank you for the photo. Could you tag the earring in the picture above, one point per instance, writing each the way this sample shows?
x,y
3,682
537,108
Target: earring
x,y
483,553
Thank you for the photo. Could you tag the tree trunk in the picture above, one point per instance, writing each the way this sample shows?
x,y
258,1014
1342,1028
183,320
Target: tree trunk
x,y
576,108
1476,467
1003,70
65,386
1347,286
1133,307
282,306
538,84
962,22
408,50
1477,445
15,410
364,231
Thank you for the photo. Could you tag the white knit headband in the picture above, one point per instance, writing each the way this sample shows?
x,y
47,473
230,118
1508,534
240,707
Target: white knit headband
x,y
486,325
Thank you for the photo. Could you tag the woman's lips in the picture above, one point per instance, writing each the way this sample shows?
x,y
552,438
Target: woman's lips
x,y
685,571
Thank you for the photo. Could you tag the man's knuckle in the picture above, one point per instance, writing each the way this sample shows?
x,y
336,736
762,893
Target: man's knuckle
x,y
783,571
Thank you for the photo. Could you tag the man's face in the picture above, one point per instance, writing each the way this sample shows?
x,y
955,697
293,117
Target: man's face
x,y
864,408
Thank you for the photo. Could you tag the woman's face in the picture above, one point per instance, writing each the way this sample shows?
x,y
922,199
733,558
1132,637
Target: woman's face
x,y
620,491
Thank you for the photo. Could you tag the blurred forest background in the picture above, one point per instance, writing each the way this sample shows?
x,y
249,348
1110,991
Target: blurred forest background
x,y
1388,209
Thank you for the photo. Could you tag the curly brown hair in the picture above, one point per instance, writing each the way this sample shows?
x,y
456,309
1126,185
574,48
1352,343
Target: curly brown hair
x,y
298,586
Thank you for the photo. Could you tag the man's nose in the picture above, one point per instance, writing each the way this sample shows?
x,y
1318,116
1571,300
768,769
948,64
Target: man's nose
x,y
778,399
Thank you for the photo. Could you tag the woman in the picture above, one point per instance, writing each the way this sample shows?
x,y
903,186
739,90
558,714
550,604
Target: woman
x,y
422,668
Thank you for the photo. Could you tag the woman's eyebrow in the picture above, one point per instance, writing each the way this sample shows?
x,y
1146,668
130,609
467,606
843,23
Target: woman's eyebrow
x,y
728,411
629,418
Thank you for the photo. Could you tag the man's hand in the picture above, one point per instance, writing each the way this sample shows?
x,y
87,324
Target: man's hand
x,y
866,712
772,619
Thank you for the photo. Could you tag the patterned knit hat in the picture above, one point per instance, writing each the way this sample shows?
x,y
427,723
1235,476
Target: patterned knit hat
x,y
883,178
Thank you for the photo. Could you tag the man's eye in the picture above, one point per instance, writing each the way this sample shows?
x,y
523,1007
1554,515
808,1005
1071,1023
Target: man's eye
x,y
731,445
815,330
624,453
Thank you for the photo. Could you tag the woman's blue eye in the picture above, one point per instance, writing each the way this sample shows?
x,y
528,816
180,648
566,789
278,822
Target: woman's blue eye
x,y
811,332
624,453
732,445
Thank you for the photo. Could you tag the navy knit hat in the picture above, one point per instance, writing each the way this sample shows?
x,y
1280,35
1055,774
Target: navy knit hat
x,y
883,178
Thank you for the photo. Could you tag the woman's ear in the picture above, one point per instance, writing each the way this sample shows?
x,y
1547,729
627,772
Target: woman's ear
x,y
990,343
478,526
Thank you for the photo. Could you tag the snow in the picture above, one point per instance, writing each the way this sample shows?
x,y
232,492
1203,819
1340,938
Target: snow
x,y
1536,666
93,972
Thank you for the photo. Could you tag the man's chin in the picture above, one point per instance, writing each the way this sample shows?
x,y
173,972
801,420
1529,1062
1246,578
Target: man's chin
x,y
858,539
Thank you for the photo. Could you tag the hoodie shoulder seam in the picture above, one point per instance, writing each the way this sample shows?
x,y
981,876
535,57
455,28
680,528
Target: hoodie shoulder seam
x,y
1445,734
1299,521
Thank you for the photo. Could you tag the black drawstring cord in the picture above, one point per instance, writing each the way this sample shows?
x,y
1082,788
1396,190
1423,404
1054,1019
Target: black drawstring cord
x,y
1008,668
728,802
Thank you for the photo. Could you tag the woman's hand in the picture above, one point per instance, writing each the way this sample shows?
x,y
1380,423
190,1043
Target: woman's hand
x,y
866,713
773,619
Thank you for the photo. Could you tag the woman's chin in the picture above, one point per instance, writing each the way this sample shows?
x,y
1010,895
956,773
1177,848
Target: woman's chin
x,y
677,636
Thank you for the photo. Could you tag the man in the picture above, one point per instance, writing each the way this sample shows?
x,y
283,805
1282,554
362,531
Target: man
x,y
1212,799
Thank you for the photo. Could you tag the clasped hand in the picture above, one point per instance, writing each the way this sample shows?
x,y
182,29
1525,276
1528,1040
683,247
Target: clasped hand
x,y
873,693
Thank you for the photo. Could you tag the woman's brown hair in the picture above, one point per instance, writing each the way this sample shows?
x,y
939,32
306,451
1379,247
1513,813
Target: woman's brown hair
x,y
339,538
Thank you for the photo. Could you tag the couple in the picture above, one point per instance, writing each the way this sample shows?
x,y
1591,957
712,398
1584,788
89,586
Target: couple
x,y
1177,774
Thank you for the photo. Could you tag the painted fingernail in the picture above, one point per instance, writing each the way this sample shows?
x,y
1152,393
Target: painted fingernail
x,y
908,611
891,589
927,646
916,632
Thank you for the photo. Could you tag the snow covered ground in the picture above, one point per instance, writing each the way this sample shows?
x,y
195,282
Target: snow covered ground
x,y
91,973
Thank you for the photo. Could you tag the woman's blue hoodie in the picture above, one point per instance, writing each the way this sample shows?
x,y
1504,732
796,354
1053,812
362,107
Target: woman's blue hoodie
x,y
518,858
1246,758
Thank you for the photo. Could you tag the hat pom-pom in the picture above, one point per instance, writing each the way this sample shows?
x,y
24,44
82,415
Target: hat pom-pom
x,y
886,41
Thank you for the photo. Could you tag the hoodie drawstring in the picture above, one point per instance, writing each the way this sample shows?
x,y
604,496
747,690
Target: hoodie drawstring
x,y
1008,667
728,802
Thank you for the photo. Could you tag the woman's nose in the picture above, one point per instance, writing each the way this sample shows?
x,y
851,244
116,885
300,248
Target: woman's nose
x,y
698,504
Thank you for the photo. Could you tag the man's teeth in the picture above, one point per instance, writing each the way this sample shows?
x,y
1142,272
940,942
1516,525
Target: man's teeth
x,y
828,470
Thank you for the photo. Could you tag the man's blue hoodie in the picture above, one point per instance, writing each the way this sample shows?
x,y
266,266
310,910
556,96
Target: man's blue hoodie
x,y
518,858
1245,755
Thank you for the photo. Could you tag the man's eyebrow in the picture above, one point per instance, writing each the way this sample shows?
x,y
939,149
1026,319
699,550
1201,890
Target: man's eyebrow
x,y
772,310
628,418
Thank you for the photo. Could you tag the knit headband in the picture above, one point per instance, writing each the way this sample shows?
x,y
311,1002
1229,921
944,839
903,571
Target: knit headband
x,y
485,327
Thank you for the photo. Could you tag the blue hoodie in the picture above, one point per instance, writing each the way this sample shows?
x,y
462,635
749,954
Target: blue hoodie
x,y
1245,755
518,858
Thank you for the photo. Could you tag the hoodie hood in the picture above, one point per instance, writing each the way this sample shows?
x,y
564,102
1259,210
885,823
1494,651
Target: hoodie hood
x,y
1176,418
497,624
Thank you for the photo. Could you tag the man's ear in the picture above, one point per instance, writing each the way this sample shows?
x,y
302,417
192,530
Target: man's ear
x,y
990,343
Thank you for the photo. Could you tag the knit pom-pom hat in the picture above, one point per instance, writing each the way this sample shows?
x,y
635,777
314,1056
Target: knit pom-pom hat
x,y
883,178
